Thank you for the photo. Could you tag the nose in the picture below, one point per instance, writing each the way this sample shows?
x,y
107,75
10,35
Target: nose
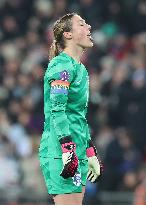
x,y
89,27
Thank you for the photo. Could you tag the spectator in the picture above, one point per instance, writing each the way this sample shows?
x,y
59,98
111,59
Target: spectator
x,y
140,191
121,157
117,84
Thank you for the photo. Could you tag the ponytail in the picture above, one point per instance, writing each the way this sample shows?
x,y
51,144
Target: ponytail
x,y
54,50
64,24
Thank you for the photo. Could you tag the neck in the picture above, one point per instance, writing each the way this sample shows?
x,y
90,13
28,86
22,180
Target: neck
x,y
74,52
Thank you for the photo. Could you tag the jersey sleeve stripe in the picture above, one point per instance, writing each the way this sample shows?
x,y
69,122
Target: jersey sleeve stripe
x,y
60,82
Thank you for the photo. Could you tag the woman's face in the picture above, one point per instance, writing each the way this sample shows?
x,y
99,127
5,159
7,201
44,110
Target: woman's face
x,y
81,35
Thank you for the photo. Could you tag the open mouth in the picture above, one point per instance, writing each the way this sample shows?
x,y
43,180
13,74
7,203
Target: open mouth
x,y
89,36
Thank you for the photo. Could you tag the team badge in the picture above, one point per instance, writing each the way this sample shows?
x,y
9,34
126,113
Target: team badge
x,y
64,75
77,179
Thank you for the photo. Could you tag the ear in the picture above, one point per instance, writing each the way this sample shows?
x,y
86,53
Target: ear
x,y
67,35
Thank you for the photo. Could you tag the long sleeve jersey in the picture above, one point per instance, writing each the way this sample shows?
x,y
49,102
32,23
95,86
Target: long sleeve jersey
x,y
66,91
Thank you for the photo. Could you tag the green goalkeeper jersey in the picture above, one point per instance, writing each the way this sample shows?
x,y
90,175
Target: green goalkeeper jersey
x,y
66,91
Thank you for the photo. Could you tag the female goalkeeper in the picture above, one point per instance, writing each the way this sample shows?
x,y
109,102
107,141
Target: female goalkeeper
x,y
67,155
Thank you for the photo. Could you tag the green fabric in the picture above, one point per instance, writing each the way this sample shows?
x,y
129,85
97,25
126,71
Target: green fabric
x,y
51,169
65,107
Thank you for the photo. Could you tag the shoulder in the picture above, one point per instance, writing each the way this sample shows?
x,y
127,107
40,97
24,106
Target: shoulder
x,y
60,61
60,67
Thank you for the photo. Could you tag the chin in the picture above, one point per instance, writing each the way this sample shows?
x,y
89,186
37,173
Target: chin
x,y
89,45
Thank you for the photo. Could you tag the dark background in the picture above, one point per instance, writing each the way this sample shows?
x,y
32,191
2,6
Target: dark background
x,y
117,105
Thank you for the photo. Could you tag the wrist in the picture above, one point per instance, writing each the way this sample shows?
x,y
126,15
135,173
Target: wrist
x,y
91,150
67,145
66,139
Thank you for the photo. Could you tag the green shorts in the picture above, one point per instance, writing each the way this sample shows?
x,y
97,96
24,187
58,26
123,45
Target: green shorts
x,y
51,169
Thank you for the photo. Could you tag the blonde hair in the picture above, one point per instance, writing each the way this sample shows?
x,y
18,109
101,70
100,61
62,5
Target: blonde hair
x,y
64,24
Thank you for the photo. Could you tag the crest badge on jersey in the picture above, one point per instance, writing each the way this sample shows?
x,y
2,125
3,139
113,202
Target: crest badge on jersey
x,y
64,75
77,179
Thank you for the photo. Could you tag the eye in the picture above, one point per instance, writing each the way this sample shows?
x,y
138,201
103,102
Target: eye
x,y
83,24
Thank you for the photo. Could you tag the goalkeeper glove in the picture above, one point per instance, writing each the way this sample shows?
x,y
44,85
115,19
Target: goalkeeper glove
x,y
94,164
69,158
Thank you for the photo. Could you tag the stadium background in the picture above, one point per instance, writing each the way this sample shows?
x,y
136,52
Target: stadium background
x,y
117,107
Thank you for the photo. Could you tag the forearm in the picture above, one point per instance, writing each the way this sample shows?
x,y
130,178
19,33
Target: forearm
x,y
60,124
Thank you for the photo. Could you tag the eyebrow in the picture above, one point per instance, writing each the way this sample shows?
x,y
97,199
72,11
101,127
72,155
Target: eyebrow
x,y
82,21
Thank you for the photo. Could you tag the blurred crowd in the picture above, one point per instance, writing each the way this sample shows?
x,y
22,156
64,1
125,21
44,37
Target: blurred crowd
x,y
117,104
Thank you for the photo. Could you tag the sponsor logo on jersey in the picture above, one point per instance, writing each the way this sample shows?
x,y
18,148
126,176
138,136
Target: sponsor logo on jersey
x,y
77,179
